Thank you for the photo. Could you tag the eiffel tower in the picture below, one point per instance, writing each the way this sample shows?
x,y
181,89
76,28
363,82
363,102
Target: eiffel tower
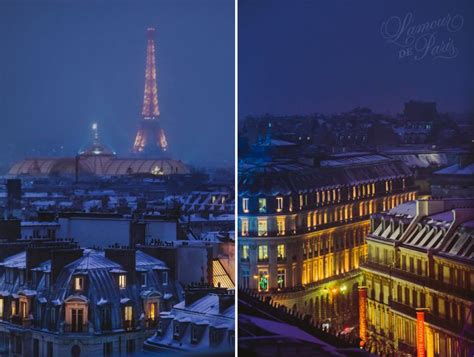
x,y
150,138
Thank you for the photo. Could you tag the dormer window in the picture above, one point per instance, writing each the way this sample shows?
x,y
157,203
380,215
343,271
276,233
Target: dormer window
x,y
122,281
194,334
245,205
143,279
176,330
279,204
79,283
262,205
1,308
13,308
165,278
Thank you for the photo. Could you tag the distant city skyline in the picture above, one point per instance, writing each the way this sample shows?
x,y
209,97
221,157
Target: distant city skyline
x,y
68,65
306,57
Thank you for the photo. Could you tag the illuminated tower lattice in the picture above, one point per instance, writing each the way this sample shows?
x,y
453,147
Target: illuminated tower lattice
x,y
150,138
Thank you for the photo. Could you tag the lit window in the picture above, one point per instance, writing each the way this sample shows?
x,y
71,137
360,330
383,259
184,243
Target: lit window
x,y
323,196
309,220
1,309
245,205
245,227
262,227
13,308
245,252
262,205
122,281
263,281
281,278
317,197
263,252
152,307
128,313
23,309
281,251
165,278
79,283
301,201
354,192
290,205
213,199
279,204
281,225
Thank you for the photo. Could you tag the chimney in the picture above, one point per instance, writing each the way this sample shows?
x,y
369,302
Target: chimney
x,y
167,255
226,300
137,233
124,256
35,255
62,257
193,294
10,229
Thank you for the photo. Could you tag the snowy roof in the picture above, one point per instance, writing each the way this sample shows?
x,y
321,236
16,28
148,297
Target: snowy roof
x,y
456,169
15,261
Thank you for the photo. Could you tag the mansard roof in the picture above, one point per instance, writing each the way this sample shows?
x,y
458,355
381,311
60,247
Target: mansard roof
x,y
289,177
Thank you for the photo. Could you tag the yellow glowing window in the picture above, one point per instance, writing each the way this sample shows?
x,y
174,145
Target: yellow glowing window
x,y
317,197
301,201
245,227
128,313
13,308
245,205
279,204
354,192
281,251
79,283
334,195
1,309
290,204
263,252
152,310
122,281
308,221
281,225
262,227
245,252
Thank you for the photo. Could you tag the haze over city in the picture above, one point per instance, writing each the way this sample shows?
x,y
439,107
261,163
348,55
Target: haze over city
x,y
66,65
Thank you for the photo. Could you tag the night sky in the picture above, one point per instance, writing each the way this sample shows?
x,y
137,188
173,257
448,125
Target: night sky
x,y
301,57
65,64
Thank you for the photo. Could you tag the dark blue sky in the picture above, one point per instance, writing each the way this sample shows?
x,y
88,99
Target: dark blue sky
x,y
299,57
66,64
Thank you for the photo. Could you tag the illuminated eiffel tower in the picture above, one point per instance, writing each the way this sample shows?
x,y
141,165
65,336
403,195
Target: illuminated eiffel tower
x,y
150,138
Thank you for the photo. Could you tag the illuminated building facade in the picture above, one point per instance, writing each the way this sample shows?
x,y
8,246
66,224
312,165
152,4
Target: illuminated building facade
x,y
150,138
420,278
302,228
59,300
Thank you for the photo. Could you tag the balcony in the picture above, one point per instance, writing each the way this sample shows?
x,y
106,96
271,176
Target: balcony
x,y
151,323
76,328
128,325
421,280
262,260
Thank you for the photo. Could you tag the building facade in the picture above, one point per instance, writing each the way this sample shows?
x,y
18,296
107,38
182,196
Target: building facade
x,y
302,229
59,300
419,279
